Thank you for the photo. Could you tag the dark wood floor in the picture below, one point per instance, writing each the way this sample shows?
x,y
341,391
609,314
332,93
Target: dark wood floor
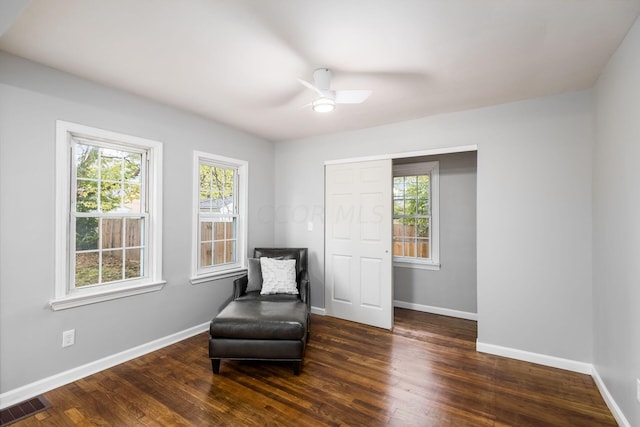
x,y
425,373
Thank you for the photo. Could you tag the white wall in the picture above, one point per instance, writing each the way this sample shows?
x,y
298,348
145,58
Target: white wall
x,y
454,286
32,98
533,212
616,214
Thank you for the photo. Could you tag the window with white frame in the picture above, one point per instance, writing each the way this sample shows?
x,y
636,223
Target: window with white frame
x,y
220,195
415,215
108,235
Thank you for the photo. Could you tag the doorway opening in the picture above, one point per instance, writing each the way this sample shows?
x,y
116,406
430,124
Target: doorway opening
x,y
435,259
442,276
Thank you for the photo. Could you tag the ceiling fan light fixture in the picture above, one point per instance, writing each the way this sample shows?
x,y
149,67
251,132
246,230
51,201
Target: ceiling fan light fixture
x,y
323,105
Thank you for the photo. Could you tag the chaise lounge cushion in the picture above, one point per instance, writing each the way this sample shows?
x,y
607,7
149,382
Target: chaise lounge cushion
x,y
260,319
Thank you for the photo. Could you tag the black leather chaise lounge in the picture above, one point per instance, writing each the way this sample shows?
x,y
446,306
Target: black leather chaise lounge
x,y
265,323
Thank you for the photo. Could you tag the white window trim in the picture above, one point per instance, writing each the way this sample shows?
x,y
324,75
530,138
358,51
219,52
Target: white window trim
x,y
64,297
239,267
405,262
422,168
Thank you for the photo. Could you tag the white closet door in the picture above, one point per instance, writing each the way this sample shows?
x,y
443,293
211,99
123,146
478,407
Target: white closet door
x,y
358,228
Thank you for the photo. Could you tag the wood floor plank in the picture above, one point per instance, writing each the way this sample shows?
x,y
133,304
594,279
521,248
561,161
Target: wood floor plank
x,y
424,373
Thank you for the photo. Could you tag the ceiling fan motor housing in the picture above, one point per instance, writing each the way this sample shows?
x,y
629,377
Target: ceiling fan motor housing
x,y
322,78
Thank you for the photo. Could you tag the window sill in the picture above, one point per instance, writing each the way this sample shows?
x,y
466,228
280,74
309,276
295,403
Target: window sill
x,y
218,275
80,299
417,265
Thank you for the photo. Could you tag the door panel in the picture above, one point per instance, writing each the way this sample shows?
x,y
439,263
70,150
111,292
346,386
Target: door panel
x,y
371,285
342,273
358,228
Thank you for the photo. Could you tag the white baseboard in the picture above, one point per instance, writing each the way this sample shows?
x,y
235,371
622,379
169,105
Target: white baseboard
x,y
540,359
319,310
29,391
436,310
557,362
608,399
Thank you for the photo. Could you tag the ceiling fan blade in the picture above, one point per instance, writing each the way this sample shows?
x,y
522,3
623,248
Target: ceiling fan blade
x,y
351,96
310,86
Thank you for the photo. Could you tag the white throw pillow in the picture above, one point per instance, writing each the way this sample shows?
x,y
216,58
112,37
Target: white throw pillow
x,y
278,276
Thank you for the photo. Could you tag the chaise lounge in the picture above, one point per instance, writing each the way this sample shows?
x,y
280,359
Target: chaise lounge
x,y
266,319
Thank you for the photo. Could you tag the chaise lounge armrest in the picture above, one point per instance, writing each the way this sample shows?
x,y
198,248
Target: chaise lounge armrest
x,y
304,289
240,286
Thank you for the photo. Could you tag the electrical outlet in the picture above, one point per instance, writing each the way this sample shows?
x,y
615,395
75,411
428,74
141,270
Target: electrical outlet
x,y
638,389
68,337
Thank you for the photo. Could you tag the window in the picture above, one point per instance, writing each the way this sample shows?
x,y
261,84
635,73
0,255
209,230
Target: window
x,y
415,215
108,188
220,186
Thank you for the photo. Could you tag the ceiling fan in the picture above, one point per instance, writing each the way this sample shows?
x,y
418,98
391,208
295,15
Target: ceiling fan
x,y
327,99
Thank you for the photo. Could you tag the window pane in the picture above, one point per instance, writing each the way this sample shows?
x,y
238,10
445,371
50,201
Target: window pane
x,y
206,252
230,251
218,253
423,248
110,196
111,165
398,227
131,199
228,183
133,167
423,207
410,227
410,186
87,268
423,186
398,207
135,232
398,187
112,266
86,196
86,234
410,248
422,227
231,228
86,161
219,230
132,263
398,247
231,255
410,207
222,190
217,190
205,188
206,231
112,232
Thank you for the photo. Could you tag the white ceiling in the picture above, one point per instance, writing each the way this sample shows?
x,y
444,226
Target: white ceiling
x,y
237,61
